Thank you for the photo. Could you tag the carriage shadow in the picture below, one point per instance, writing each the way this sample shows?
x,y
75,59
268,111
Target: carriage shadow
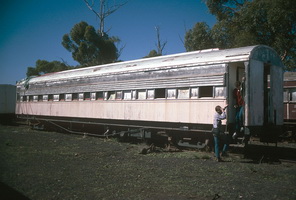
x,y
265,153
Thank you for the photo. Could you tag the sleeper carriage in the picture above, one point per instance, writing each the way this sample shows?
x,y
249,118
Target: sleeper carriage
x,y
175,94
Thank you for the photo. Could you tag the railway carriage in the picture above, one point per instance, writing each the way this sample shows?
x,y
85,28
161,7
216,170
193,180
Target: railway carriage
x,y
290,97
173,93
290,105
7,103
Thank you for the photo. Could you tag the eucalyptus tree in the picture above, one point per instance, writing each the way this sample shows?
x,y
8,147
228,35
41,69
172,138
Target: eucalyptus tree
x,y
44,67
102,11
88,47
250,22
199,37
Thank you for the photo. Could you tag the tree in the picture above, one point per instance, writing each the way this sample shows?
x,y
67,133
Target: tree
x,y
199,37
152,53
159,45
246,22
225,9
273,23
44,67
88,47
103,12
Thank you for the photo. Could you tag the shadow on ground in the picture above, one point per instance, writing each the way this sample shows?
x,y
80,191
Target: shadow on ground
x,y
9,193
266,153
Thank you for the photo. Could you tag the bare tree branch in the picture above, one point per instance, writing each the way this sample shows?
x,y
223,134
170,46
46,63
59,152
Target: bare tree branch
x,y
284,55
120,51
160,46
185,30
103,13
64,62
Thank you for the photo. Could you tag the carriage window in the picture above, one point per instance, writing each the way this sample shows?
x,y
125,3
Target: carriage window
x,y
194,93
68,97
118,95
87,96
159,93
171,93
62,97
100,95
183,93
134,94
93,96
56,97
206,91
45,97
75,96
18,96
81,96
111,95
141,94
150,94
105,95
127,95
219,92
35,98
50,97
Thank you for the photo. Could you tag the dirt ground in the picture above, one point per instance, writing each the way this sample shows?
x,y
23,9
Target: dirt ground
x,y
48,165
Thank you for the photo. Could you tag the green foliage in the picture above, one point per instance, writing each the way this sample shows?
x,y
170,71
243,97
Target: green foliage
x,y
246,22
199,37
44,67
152,53
225,9
88,47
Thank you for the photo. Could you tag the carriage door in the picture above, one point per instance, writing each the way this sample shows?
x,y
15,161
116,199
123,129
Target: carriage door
x,y
273,103
258,102
254,115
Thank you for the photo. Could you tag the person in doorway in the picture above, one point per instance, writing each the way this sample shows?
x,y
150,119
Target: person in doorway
x,y
218,133
239,106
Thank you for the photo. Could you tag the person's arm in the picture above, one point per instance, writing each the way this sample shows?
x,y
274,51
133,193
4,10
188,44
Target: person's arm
x,y
222,116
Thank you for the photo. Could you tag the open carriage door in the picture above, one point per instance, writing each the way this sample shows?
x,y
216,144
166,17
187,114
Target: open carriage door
x,y
276,107
254,102
264,107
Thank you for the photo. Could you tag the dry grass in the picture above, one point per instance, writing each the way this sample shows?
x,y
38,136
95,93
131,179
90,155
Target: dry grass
x,y
49,165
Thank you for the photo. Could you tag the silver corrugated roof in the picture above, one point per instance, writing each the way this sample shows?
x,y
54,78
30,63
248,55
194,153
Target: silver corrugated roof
x,y
203,57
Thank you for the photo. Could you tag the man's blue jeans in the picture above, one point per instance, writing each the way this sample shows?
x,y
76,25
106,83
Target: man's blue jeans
x,y
217,140
239,119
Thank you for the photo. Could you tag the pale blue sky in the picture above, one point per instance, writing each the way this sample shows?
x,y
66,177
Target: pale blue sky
x,y
33,29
